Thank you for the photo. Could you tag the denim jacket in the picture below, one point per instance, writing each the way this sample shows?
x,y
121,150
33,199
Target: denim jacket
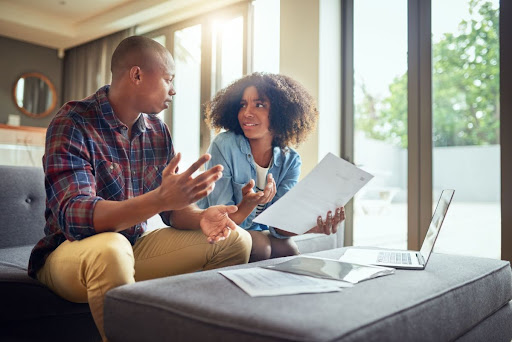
x,y
233,152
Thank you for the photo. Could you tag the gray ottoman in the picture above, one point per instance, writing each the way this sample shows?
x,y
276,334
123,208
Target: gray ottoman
x,y
454,298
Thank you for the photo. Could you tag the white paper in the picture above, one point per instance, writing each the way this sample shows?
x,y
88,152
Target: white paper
x,y
258,282
331,184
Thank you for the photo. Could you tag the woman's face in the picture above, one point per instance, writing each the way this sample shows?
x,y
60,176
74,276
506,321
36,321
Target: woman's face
x,y
253,115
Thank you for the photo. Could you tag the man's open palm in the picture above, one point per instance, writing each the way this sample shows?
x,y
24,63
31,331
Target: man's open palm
x,y
215,222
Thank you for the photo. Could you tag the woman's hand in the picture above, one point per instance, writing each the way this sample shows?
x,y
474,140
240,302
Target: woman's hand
x,y
331,224
251,198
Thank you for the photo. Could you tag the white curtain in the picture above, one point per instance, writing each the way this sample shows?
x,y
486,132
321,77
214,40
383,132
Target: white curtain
x,y
87,67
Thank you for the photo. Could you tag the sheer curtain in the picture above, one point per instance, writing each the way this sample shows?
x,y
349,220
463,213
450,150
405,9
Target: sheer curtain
x,y
33,88
87,67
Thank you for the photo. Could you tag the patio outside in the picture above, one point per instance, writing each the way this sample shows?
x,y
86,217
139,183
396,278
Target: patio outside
x,y
469,228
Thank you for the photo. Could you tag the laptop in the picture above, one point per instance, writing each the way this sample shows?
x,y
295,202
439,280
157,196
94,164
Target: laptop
x,y
416,260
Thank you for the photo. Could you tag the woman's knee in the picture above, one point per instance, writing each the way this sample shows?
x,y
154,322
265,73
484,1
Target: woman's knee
x,y
239,242
261,248
283,247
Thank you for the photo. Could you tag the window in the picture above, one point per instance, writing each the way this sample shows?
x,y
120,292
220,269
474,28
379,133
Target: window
x,y
380,119
429,109
160,39
185,125
466,122
210,51
265,51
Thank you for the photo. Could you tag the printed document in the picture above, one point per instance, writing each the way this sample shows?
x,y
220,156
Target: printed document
x,y
331,184
257,282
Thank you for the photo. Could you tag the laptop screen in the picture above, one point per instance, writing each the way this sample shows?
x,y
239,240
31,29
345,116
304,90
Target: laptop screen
x,y
435,224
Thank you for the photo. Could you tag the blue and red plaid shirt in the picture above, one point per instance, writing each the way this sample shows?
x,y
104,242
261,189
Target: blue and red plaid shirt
x,y
89,157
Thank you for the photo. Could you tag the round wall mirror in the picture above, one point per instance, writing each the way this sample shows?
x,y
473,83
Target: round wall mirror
x,y
34,95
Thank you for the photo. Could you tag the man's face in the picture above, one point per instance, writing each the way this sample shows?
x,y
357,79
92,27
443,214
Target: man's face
x,y
157,88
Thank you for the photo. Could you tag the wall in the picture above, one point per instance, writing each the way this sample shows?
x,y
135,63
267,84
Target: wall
x,y
310,52
299,58
17,58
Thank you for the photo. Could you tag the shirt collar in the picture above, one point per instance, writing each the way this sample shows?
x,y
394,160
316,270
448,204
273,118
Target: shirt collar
x,y
245,147
108,113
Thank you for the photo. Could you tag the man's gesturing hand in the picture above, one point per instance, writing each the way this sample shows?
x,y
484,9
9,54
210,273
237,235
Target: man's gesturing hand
x,y
215,222
179,190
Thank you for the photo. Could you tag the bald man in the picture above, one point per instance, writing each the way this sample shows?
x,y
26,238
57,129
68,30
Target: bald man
x,y
110,165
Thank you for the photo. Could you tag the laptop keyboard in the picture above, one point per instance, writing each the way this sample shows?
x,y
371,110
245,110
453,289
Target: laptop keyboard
x,y
395,258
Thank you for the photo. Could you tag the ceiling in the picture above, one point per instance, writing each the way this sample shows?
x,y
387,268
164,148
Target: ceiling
x,y
62,24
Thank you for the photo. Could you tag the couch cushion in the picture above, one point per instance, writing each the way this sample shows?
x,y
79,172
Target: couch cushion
x,y
309,243
23,297
23,199
444,301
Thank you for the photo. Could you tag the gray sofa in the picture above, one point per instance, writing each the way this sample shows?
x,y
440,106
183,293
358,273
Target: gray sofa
x,y
29,311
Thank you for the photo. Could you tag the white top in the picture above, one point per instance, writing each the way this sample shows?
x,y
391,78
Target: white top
x,y
261,181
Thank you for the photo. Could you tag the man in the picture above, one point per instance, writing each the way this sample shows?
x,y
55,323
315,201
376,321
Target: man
x,y
109,167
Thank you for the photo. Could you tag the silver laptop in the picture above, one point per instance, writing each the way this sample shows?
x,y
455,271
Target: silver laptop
x,y
405,259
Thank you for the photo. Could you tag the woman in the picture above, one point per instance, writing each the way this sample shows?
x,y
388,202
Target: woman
x,y
262,114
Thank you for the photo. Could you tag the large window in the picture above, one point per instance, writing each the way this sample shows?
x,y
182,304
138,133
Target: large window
x,y
380,119
227,52
185,125
466,123
210,51
265,44
426,117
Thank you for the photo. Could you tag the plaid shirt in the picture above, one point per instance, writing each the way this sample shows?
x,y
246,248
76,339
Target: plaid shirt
x,y
88,158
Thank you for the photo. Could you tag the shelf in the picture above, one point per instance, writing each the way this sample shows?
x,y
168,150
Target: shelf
x,y
21,145
22,135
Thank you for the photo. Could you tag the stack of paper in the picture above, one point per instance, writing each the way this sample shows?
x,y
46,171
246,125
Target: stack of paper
x,y
303,275
259,281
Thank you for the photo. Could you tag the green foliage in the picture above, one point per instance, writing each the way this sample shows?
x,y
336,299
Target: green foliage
x,y
465,80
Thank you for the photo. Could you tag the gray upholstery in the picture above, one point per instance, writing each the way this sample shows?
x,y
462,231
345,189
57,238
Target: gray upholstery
x,y
29,311
23,198
497,327
309,243
442,303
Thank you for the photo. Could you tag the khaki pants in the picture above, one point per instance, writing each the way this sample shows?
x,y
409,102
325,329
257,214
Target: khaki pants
x,y
83,271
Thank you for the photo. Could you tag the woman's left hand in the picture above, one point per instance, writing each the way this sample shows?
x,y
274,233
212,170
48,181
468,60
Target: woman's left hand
x,y
331,223
252,198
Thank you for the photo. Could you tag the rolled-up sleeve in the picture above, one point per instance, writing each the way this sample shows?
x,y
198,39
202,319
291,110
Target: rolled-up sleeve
x,y
70,183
